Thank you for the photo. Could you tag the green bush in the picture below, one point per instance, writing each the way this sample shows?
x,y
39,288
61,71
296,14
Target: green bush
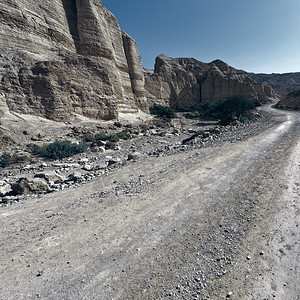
x,y
102,137
5,160
88,138
106,137
110,145
162,111
201,108
227,110
124,135
284,107
230,108
60,149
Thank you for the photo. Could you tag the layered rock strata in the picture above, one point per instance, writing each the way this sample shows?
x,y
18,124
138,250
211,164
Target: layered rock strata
x,y
64,57
182,82
282,84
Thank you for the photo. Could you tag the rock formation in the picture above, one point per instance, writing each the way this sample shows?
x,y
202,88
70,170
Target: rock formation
x,y
181,82
291,101
282,84
60,57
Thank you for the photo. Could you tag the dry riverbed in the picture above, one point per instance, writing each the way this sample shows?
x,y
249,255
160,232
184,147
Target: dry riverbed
x,y
215,217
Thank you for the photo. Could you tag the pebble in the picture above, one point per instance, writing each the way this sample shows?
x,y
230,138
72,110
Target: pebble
x,y
229,294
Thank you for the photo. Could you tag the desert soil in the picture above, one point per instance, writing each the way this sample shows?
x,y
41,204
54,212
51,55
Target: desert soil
x,y
215,222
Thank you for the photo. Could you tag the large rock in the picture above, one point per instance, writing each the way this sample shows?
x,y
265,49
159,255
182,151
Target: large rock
x,y
51,177
29,186
182,82
291,101
59,57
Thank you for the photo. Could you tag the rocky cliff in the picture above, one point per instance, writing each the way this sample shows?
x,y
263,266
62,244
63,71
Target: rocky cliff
x,y
60,57
282,84
181,82
291,101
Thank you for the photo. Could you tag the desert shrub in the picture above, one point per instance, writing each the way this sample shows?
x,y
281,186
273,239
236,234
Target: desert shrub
x,y
230,108
191,115
110,145
162,111
201,108
88,138
284,107
106,137
5,160
124,135
102,136
60,149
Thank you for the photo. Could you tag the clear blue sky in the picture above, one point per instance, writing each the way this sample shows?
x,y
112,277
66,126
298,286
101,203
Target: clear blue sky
x,y
253,35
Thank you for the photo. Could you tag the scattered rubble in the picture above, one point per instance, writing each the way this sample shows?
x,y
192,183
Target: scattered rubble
x,y
148,140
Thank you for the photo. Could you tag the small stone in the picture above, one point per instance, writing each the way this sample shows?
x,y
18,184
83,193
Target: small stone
x,y
134,156
87,167
248,257
229,294
84,160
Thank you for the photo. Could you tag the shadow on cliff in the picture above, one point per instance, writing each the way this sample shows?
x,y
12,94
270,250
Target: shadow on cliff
x,y
70,8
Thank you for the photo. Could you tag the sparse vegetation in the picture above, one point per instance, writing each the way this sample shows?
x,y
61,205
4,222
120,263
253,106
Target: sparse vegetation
x,y
124,135
88,138
110,145
60,149
113,138
231,108
284,107
162,111
227,110
5,160
103,137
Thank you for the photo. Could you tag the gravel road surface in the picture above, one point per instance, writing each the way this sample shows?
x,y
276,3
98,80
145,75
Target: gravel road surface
x,y
211,223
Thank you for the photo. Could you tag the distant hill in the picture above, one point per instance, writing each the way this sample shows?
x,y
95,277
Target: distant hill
x,y
282,84
291,101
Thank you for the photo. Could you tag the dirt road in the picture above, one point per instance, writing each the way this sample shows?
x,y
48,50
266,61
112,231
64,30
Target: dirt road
x,y
211,223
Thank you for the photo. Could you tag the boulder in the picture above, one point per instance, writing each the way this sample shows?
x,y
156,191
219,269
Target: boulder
x,y
50,177
29,186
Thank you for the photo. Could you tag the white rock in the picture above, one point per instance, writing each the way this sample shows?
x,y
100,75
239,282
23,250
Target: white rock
x,y
5,189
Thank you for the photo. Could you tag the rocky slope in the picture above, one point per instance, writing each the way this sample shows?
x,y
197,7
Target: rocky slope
x,y
282,84
181,82
291,101
61,57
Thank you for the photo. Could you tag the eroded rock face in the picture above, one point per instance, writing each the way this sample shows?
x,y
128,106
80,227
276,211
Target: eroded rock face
x,y
291,101
59,57
181,82
282,84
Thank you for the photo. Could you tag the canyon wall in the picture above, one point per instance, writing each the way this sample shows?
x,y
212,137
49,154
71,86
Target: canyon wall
x,y
65,57
182,82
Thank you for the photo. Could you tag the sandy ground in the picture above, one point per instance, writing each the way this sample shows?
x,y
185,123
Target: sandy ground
x,y
211,223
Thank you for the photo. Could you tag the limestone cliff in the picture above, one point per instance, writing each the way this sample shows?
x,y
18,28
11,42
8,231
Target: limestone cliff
x,y
59,57
181,82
